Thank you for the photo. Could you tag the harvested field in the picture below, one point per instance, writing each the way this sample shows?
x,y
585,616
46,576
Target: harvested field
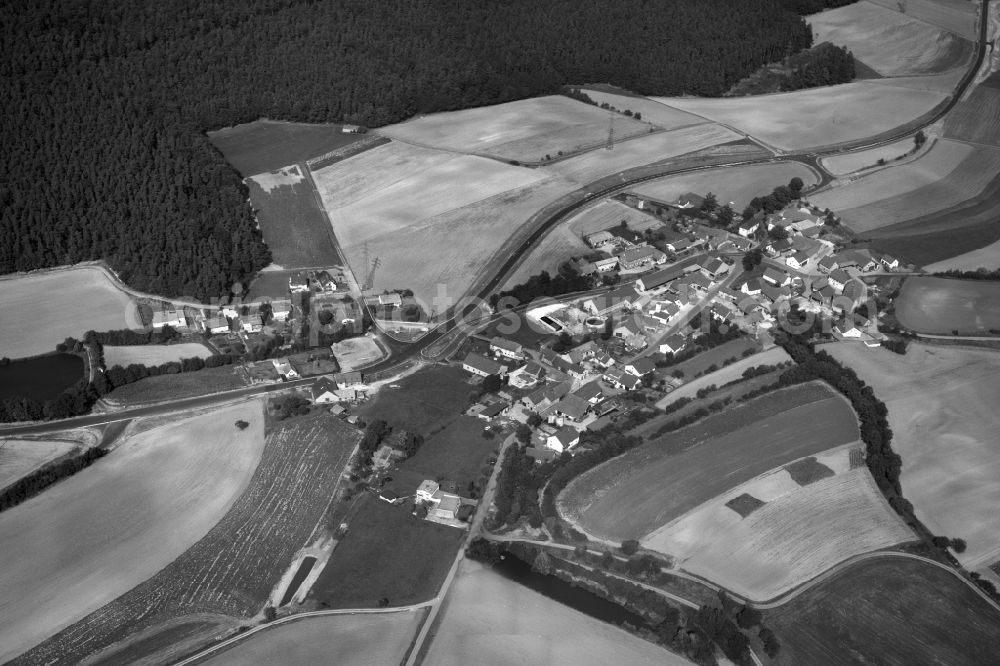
x,y
943,305
887,611
492,621
411,555
183,385
153,354
58,304
957,16
723,376
737,184
951,460
20,457
294,225
640,491
985,257
790,540
846,163
641,151
816,117
977,118
267,145
354,353
525,130
232,569
96,535
891,43
660,115
334,639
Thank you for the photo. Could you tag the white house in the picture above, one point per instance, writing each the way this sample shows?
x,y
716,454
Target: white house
x,y
284,368
346,380
230,311
751,287
216,325
798,260
324,391
640,366
298,283
563,439
776,277
251,323
426,490
172,318
281,310
838,279
506,348
672,345
848,330
890,262
748,228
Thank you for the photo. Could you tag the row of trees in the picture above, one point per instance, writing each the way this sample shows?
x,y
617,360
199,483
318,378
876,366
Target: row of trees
x,y
543,284
28,486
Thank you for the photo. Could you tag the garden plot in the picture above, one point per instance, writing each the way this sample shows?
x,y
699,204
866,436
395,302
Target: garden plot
x,y
943,305
660,115
797,534
54,305
957,16
20,457
526,130
817,117
889,42
125,355
232,570
737,184
98,534
942,410
846,163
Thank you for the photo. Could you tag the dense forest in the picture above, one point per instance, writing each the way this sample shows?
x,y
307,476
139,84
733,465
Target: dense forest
x,y
106,103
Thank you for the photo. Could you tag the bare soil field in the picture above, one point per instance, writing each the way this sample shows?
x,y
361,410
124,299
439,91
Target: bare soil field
x,y
723,376
957,16
817,117
950,174
660,115
267,145
51,306
20,457
951,459
525,130
291,220
183,385
977,118
887,611
737,184
153,354
889,42
94,536
790,540
840,165
984,257
354,353
943,305
640,491
232,569
333,639
492,621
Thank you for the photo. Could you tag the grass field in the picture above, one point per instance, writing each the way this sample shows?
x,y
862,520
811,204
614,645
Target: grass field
x,y
183,385
291,220
425,401
640,491
387,553
977,118
20,457
816,117
525,130
52,306
457,453
846,163
232,569
153,354
492,621
957,16
734,184
950,458
889,42
942,305
896,612
984,257
950,174
723,376
267,145
652,112
339,639
96,535
791,539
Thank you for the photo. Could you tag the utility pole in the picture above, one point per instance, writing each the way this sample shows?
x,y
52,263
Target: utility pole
x,y
611,131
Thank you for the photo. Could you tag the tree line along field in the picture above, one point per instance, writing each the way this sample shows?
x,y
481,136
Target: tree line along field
x,y
630,496
98,534
20,457
183,385
230,571
660,115
890,42
943,305
888,610
950,458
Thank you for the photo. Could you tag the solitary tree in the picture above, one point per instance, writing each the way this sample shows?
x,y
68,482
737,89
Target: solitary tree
x,y
710,203
795,185
919,139
630,546
726,215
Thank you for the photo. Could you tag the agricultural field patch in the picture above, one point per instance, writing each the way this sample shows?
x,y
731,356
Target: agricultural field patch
x,y
943,305
424,402
950,458
291,220
640,491
840,165
724,375
98,534
887,611
20,457
124,355
411,555
744,504
816,117
977,118
55,305
808,470
788,541
182,385
737,184
888,41
957,16
525,130
660,115
984,257
337,639
493,621
268,145
232,569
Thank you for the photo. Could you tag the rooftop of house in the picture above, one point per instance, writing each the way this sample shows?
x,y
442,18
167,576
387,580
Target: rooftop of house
x,y
508,345
589,391
481,363
643,365
323,385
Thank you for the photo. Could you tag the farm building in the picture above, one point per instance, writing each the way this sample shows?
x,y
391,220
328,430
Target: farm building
x,y
582,352
172,318
599,239
862,259
482,366
507,348
658,280
491,412
714,268
323,391
688,201
447,506
635,257
570,407
680,244
346,380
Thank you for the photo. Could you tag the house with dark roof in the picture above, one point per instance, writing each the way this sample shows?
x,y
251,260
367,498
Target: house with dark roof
x,y
323,391
620,379
640,366
482,366
673,345
776,277
658,279
563,439
838,279
634,257
346,380
570,407
591,392
751,287
827,264
714,268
